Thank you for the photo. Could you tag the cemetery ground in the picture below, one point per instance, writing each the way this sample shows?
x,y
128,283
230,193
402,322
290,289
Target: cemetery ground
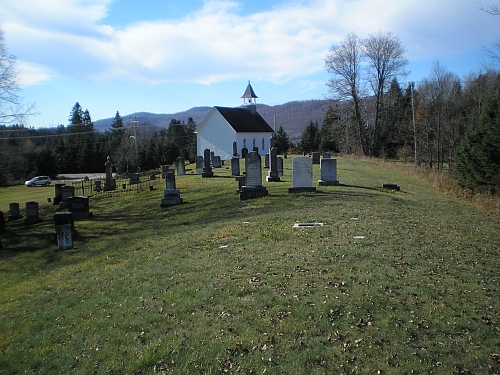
x,y
394,282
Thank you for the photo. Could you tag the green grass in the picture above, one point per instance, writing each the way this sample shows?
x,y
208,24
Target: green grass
x,y
219,285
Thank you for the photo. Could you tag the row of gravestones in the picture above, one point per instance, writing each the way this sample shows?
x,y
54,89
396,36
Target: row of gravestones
x,y
250,185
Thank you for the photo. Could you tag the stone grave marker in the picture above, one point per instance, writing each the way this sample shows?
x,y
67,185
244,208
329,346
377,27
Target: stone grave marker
x,y
235,166
64,237
207,169
244,152
280,166
32,213
301,175
181,168
326,155
64,218
199,164
135,178
273,170
171,195
255,149
110,182
58,193
328,173
253,178
79,206
235,149
14,213
266,161
315,157
216,162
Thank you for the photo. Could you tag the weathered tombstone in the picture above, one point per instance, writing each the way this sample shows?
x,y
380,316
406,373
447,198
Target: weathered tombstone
x,y
391,187
58,193
273,170
326,155
266,161
32,213
79,206
315,157
235,149
181,168
253,178
207,169
171,195
235,166
328,172
110,183
244,152
301,175
14,213
66,192
280,167
216,162
255,149
241,182
97,186
199,164
134,178
212,154
64,237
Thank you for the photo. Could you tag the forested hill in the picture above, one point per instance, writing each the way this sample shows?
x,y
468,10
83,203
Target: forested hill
x,y
293,116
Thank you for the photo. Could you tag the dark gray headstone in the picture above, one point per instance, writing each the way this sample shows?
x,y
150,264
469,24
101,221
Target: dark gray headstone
x,y
199,164
273,170
315,157
244,152
14,212
181,169
207,169
235,166
64,237
216,162
32,213
328,172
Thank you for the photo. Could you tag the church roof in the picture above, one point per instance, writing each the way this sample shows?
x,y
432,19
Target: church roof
x,y
244,121
249,93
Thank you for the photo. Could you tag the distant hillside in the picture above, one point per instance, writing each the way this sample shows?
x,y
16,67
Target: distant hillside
x,y
293,116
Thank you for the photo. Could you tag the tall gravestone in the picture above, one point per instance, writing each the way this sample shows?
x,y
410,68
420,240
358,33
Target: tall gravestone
x,y
58,193
207,169
280,167
266,161
328,172
235,166
110,183
171,195
301,175
244,152
181,169
199,164
273,169
32,213
315,157
253,178
14,212
235,149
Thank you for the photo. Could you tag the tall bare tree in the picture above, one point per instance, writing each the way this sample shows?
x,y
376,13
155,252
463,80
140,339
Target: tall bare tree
x,y
386,61
344,62
11,106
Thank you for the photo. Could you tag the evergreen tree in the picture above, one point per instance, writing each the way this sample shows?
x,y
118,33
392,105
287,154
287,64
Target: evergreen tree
x,y
478,159
329,131
76,119
281,140
309,141
117,126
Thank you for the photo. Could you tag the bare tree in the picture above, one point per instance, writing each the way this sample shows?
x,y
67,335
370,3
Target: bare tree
x,y
386,61
494,10
11,107
344,62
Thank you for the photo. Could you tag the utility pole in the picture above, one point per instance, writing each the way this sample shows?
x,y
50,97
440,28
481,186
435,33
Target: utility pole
x,y
412,84
134,122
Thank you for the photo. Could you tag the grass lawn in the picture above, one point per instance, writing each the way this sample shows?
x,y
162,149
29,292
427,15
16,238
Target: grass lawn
x,y
395,282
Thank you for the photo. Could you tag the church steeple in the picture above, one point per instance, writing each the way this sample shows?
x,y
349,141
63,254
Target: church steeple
x,y
250,99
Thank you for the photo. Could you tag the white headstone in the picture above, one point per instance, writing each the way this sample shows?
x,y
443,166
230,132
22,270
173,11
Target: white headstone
x,y
253,169
302,172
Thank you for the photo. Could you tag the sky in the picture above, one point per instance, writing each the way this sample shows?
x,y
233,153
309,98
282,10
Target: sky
x,y
167,56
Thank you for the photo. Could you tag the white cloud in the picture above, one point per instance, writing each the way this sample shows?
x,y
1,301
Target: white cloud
x,y
217,43
31,74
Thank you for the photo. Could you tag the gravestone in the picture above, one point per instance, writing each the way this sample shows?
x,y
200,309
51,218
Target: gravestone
x,y
181,168
212,154
326,155
266,161
32,213
14,213
253,178
110,182
328,172
241,182
199,164
66,192
244,152
216,162
152,177
273,170
255,149
235,166
171,195
207,169
58,193
97,186
301,175
315,157
64,237
280,167
235,149
134,178
64,218
79,206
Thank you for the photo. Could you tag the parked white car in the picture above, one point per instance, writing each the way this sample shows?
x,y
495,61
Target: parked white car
x,y
39,180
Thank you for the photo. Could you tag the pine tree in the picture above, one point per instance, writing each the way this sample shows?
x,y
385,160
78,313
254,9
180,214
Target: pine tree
x,y
309,141
281,140
117,125
478,159
328,133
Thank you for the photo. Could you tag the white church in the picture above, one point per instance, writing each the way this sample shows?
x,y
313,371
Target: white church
x,y
222,126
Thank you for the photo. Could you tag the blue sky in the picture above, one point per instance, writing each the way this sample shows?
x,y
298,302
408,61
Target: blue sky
x,y
166,56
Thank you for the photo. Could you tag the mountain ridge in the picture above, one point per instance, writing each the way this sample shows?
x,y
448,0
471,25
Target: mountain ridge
x,y
293,116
